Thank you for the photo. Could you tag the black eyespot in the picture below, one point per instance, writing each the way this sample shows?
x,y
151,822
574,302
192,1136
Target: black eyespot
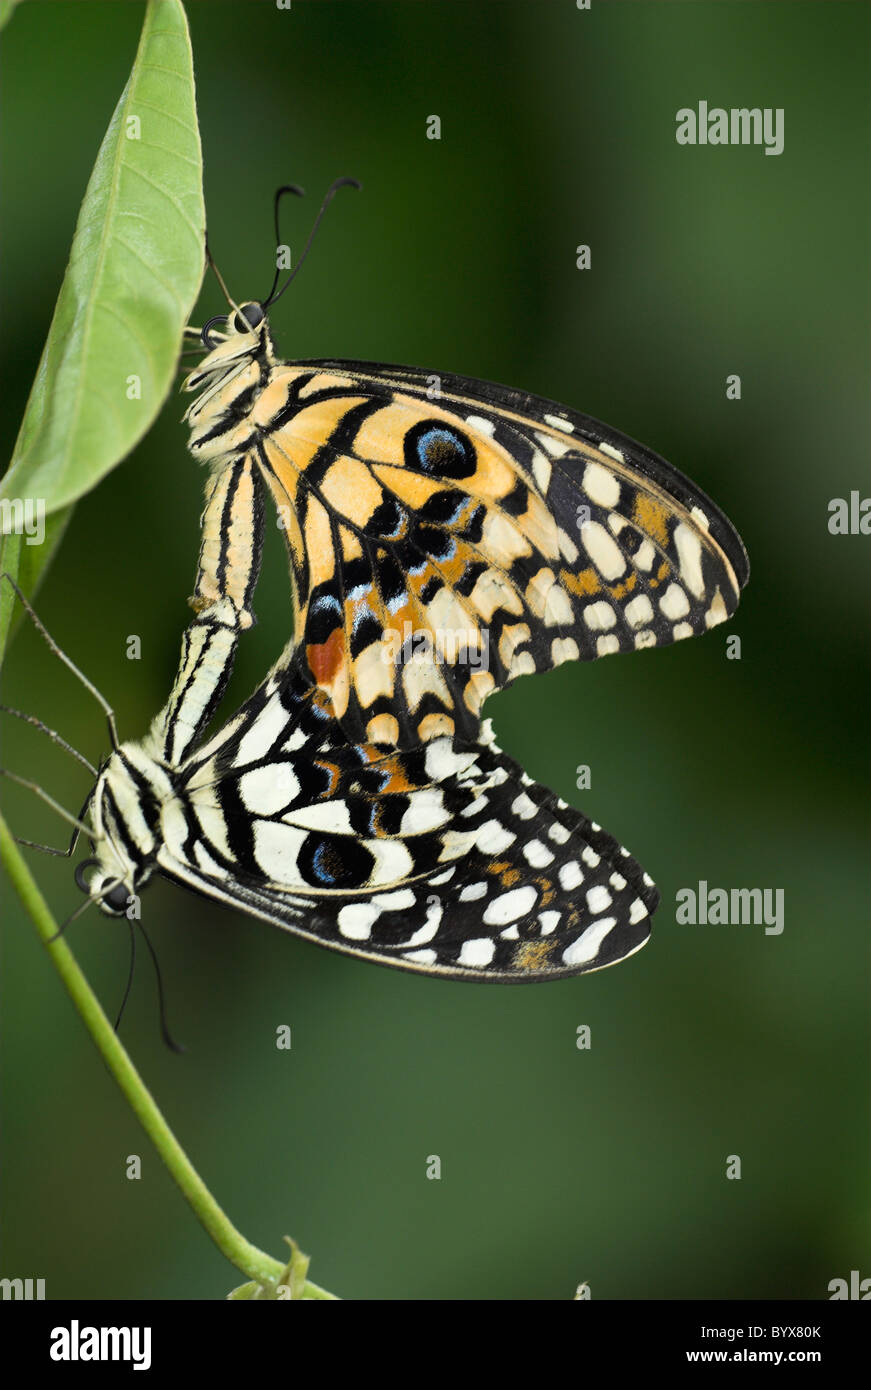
x,y
253,316
437,449
334,861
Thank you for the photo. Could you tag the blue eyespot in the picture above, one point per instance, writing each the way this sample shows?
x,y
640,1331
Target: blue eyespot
x,y
439,450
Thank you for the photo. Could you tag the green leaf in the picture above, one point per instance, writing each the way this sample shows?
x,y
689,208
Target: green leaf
x,y
6,8
135,268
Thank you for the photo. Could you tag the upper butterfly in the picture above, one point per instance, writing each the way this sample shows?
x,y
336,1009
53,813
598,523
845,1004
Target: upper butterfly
x,y
445,535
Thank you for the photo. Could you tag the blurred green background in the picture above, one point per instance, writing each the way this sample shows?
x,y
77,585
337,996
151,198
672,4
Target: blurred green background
x,y
558,127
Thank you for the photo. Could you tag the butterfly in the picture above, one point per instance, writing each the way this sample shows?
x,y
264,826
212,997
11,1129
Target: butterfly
x,y
445,536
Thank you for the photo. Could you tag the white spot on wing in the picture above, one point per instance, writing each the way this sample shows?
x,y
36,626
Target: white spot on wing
x,y
493,838
586,948
563,649
508,907
479,423
599,616
689,551
478,952
639,611
355,920
541,471
674,602
603,550
537,854
598,899
268,726
570,875
611,451
600,484
559,424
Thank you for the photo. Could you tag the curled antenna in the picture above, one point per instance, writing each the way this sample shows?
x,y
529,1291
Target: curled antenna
x,y
274,293
297,192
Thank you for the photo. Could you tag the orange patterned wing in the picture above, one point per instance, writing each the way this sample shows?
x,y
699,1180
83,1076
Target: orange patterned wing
x,y
448,535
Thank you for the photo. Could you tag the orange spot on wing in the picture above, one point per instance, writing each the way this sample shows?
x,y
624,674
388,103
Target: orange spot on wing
x,y
506,872
334,775
621,590
586,582
652,518
664,569
325,658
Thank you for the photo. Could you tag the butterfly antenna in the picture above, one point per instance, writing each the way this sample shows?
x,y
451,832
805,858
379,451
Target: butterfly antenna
x,y
298,192
167,1036
220,279
52,734
331,192
67,661
80,826
130,969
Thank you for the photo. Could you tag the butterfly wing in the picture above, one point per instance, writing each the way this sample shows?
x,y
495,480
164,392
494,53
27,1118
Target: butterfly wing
x,y
446,860
448,535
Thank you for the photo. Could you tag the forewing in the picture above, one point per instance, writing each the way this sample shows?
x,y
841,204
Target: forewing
x,y
449,535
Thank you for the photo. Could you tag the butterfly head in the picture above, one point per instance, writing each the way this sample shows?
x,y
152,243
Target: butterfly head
x,y
121,807
232,340
110,893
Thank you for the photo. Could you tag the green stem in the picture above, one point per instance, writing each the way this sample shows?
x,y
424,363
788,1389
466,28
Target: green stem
x,y
256,1264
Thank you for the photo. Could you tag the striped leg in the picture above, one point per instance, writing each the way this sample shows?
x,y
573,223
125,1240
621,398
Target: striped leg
x,y
229,563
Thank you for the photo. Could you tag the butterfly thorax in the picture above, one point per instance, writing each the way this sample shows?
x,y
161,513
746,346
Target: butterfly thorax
x,y
228,381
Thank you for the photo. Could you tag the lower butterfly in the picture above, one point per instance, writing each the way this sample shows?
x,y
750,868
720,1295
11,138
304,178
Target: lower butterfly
x,y
447,859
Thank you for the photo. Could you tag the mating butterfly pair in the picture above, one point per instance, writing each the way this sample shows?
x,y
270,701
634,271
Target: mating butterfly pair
x,y
445,536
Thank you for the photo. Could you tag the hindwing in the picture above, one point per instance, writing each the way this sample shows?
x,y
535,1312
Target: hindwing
x,y
446,859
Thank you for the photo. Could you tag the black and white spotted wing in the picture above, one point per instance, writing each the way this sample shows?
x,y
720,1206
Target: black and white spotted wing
x,y
446,860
